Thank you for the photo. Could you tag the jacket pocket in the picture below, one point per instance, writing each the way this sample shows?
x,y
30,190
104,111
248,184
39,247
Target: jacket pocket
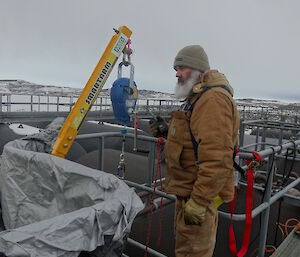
x,y
173,154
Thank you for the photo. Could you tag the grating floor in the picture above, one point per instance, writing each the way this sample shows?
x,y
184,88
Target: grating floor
x,y
290,247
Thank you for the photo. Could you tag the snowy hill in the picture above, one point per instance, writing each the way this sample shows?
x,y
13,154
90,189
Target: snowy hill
x,y
22,87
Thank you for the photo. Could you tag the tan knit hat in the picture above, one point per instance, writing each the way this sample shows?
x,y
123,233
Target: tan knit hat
x,y
192,56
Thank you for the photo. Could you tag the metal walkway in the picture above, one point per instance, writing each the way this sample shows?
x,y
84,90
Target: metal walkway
x,y
270,196
290,247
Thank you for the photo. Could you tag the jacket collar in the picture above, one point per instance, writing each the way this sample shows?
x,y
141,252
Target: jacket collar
x,y
209,79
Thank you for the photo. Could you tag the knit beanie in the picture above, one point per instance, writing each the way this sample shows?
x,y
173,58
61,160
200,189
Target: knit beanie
x,y
192,56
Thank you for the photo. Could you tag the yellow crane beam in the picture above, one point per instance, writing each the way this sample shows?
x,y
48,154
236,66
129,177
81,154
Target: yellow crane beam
x,y
90,92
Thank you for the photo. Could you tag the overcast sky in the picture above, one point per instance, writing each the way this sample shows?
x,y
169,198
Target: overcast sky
x,y
255,43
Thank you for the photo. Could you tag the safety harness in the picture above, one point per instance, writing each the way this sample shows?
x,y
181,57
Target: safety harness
x,y
249,205
249,197
190,108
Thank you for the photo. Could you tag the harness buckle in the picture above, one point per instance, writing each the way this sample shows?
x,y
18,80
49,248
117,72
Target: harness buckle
x,y
197,165
253,164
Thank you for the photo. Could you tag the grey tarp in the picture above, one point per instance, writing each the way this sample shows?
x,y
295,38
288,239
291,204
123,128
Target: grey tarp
x,y
55,207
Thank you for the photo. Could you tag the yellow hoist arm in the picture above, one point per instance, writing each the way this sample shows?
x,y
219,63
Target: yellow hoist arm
x,y
90,92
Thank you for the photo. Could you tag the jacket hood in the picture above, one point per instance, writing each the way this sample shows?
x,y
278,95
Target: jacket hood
x,y
212,78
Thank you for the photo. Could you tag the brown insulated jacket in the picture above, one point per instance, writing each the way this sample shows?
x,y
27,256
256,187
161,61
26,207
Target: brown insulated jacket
x,y
214,123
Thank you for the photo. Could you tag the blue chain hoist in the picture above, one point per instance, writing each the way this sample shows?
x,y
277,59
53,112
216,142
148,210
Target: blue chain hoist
x,y
123,96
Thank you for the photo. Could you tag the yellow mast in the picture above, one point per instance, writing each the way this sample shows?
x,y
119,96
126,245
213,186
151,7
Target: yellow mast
x,y
90,92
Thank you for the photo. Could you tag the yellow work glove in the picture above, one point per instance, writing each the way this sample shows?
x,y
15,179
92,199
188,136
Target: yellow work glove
x,y
158,127
194,214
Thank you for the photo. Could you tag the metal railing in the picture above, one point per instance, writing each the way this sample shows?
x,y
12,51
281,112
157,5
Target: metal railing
x,y
275,112
261,128
11,106
268,199
263,208
29,108
61,103
149,179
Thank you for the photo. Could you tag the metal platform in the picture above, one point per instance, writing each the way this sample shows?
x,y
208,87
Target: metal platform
x,y
261,211
290,247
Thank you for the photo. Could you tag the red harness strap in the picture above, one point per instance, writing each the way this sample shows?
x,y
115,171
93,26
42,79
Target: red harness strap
x,y
249,205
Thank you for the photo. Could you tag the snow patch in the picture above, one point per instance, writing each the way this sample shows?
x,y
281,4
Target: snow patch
x,y
113,125
22,129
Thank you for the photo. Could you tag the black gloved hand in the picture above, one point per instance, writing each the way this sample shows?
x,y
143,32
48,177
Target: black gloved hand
x,y
158,127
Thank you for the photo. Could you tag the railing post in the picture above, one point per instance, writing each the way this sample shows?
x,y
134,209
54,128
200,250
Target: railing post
x,y
242,115
48,103
104,107
242,133
101,153
39,103
101,103
159,106
150,168
256,137
294,133
31,103
9,102
266,212
57,104
263,137
1,102
282,119
150,164
71,103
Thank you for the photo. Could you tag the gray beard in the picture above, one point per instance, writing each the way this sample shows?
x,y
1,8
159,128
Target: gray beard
x,y
184,89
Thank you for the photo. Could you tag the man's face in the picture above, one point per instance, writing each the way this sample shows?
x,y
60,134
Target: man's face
x,y
182,73
187,78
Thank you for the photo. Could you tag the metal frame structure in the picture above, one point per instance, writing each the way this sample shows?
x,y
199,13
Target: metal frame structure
x,y
9,103
161,105
263,125
263,208
58,107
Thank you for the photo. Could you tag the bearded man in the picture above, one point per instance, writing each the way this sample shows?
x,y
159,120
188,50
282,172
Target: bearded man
x,y
199,151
